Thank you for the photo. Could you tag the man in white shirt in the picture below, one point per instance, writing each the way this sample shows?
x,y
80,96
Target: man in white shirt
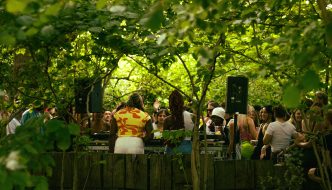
x,y
280,133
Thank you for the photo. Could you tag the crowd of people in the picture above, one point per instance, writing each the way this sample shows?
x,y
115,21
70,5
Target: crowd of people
x,y
262,133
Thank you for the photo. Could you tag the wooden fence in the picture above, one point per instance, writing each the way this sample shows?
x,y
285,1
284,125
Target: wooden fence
x,y
100,170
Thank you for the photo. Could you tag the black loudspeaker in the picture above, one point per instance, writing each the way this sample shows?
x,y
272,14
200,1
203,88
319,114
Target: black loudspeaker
x,y
82,89
237,95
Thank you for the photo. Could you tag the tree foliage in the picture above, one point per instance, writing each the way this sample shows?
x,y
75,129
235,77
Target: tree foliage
x,y
283,47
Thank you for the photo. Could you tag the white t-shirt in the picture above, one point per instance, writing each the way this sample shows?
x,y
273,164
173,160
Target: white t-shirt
x,y
157,134
11,127
188,122
281,134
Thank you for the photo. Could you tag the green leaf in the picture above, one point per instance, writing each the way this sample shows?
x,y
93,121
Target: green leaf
x,y
53,10
47,31
310,80
31,31
63,139
20,178
74,129
7,39
42,184
101,4
30,149
54,124
25,20
3,176
48,171
95,29
117,9
291,97
161,38
15,6
7,185
20,35
63,143
154,18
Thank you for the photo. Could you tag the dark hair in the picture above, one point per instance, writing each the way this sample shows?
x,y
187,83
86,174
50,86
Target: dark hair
x,y
322,96
120,106
213,103
293,112
257,107
135,101
163,111
269,111
279,111
176,106
160,112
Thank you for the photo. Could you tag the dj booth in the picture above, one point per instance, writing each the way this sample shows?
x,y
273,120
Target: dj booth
x,y
100,142
215,145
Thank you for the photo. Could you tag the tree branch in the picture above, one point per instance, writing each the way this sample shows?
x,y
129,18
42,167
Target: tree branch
x,y
189,75
159,77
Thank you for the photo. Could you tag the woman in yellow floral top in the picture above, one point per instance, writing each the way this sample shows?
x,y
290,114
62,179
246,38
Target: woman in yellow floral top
x,y
129,126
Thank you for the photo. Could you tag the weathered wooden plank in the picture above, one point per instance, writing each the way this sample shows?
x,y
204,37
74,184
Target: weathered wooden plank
x,y
181,173
108,174
89,170
156,171
57,170
167,174
136,171
54,180
244,174
119,172
210,172
224,174
263,169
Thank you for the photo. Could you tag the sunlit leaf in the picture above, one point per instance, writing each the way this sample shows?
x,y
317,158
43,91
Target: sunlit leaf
x,y
161,38
47,30
117,9
25,20
53,10
15,6
291,96
31,31
95,29
101,4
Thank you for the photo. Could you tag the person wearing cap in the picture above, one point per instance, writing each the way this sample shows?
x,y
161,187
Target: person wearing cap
x,y
32,112
218,123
